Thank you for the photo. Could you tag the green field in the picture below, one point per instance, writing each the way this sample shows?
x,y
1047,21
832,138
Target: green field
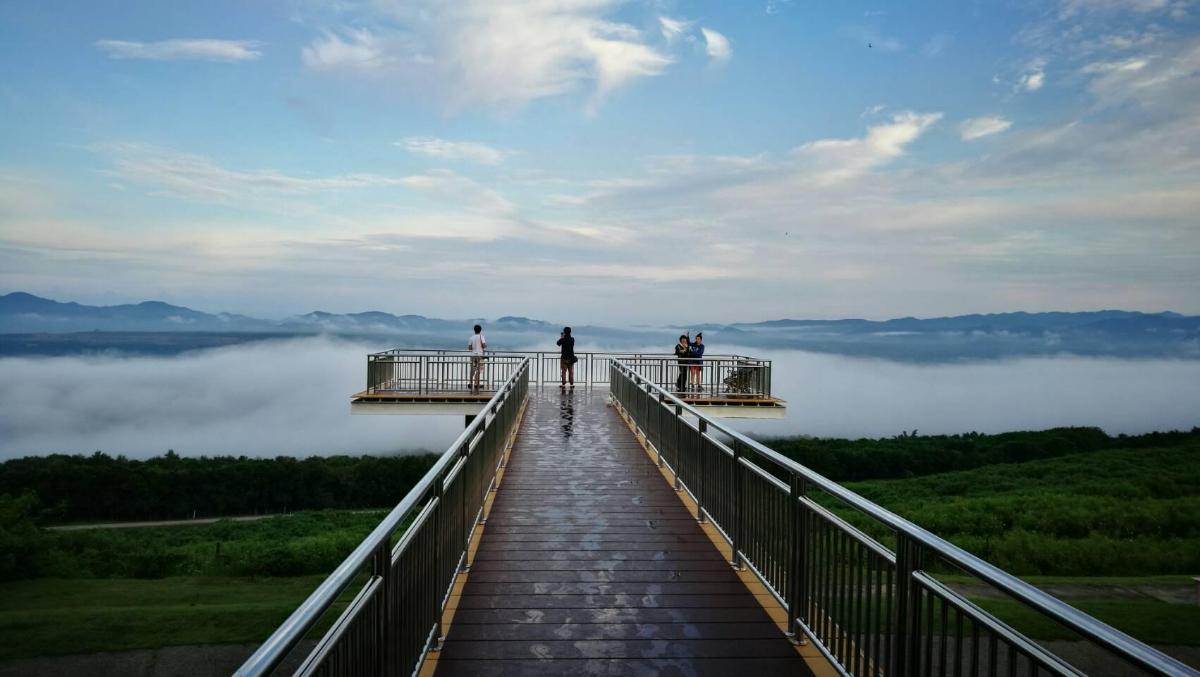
x,y
1119,525
73,616
1121,512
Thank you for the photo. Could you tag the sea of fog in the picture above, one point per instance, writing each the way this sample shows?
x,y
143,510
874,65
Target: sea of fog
x,y
291,398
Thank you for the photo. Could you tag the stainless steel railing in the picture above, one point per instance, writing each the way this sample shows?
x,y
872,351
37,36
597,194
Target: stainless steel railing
x,y
870,609
430,371
408,563
437,372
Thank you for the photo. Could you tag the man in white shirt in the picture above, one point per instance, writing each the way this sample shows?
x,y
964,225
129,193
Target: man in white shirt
x,y
476,344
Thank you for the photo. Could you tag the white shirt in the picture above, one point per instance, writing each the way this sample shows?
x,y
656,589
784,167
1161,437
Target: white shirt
x,y
475,344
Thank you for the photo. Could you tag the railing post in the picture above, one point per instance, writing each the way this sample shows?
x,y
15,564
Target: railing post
x,y
701,488
798,559
679,454
906,634
466,524
736,532
658,432
380,566
439,524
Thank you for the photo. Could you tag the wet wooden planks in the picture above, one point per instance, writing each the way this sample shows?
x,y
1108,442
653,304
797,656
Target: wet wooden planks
x,y
590,564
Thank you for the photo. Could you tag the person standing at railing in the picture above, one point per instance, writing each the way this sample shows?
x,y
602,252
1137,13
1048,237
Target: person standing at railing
x,y
566,357
683,352
476,344
697,354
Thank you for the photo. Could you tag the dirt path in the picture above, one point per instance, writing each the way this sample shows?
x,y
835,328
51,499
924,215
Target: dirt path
x,y
1171,594
163,523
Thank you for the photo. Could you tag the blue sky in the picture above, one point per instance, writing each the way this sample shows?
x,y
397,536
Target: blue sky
x,y
597,160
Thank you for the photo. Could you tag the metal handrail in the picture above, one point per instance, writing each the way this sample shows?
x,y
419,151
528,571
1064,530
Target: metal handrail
x,y
719,375
908,533
275,649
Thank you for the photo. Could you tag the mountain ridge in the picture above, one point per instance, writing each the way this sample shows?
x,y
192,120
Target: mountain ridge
x,y
19,303
29,323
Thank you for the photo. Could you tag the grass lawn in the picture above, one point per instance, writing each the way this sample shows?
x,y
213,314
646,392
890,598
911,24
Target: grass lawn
x,y
73,616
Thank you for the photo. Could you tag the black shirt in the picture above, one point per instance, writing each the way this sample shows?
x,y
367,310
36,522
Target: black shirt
x,y
568,346
683,352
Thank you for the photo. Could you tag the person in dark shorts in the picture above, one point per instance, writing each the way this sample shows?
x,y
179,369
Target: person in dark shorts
x,y
567,357
683,352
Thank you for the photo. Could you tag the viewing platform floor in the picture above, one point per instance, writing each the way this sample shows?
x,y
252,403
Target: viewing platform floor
x,y
589,563
733,405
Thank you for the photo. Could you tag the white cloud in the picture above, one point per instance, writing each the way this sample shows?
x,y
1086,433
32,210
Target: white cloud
x,y
1167,74
716,45
836,160
754,181
459,190
616,62
1034,77
357,50
1126,66
1071,8
977,128
167,50
493,53
672,29
443,149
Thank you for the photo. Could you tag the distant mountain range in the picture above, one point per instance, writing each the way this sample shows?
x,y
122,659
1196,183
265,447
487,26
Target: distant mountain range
x,y
35,325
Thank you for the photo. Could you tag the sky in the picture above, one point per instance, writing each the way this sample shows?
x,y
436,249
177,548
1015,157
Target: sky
x,y
602,160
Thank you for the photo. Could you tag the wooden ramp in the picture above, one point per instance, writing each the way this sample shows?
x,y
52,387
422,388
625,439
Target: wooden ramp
x,y
589,563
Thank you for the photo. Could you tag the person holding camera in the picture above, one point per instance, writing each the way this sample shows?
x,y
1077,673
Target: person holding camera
x,y
683,353
567,357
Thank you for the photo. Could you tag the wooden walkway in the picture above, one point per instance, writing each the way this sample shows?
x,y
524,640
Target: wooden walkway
x,y
589,563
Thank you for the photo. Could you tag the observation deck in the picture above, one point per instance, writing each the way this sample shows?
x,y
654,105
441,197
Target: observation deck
x,y
619,530
439,381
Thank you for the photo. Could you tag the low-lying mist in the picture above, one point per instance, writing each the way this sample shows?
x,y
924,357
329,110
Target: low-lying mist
x,y
264,399
292,398
835,396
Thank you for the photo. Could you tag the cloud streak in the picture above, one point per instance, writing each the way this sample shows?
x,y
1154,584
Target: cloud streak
x,y
443,149
173,50
977,128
